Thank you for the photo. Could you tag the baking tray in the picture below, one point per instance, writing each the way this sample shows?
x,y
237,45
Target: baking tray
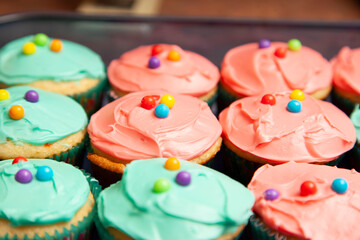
x,y
110,36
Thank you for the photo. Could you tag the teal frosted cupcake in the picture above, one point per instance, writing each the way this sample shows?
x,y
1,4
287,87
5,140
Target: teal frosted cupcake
x,y
45,199
38,124
355,152
173,199
54,65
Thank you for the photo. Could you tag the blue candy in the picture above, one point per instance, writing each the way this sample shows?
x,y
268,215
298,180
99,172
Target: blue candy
x,y
44,173
162,111
294,106
339,185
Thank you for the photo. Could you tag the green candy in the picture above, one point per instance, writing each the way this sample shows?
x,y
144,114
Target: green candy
x,y
41,39
161,185
294,45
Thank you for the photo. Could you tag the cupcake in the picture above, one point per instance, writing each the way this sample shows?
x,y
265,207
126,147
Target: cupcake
x,y
165,67
305,201
45,199
173,200
346,79
39,124
151,124
54,65
267,67
281,127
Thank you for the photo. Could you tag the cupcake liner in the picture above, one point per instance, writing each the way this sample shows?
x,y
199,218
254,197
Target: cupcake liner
x,y
262,232
344,104
91,99
79,232
225,98
73,156
243,170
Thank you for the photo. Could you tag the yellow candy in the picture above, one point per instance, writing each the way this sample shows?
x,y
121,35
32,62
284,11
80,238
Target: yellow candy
x,y
4,94
29,48
172,164
174,56
16,112
168,100
297,95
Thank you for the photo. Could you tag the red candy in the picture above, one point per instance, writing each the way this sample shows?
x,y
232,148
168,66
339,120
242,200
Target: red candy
x,y
280,52
268,99
19,159
156,50
308,188
149,102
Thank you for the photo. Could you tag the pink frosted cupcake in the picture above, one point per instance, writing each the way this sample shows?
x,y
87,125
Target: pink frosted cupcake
x,y
287,126
266,67
165,67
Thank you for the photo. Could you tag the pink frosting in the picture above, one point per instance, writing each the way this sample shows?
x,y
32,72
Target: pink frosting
x,y
127,131
326,215
192,75
346,70
319,133
249,70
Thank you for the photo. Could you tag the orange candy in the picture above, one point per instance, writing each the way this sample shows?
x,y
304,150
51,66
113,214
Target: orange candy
x,y
172,164
16,112
56,45
174,56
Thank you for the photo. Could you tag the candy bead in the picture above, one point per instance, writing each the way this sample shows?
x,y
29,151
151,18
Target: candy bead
x,y
19,159
41,39
148,102
297,95
172,164
16,112
268,99
23,176
271,194
174,56
183,178
29,48
156,50
294,45
280,52
162,111
264,43
154,62
308,188
56,45
168,100
44,173
294,106
4,94
161,185
339,185
32,96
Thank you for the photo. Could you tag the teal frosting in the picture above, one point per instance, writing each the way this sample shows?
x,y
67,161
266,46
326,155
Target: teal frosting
x,y
50,119
212,205
37,202
355,118
73,62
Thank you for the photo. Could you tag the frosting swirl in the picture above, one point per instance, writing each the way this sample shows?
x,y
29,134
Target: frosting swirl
x,y
249,70
192,75
50,119
323,215
319,133
127,131
41,202
73,62
346,71
210,206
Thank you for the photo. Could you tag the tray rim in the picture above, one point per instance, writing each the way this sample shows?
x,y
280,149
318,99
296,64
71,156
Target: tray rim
x,y
75,16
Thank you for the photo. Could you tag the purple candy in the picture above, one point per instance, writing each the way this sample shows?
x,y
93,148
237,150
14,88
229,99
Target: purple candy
x,y
154,62
23,176
183,178
271,194
264,43
31,96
